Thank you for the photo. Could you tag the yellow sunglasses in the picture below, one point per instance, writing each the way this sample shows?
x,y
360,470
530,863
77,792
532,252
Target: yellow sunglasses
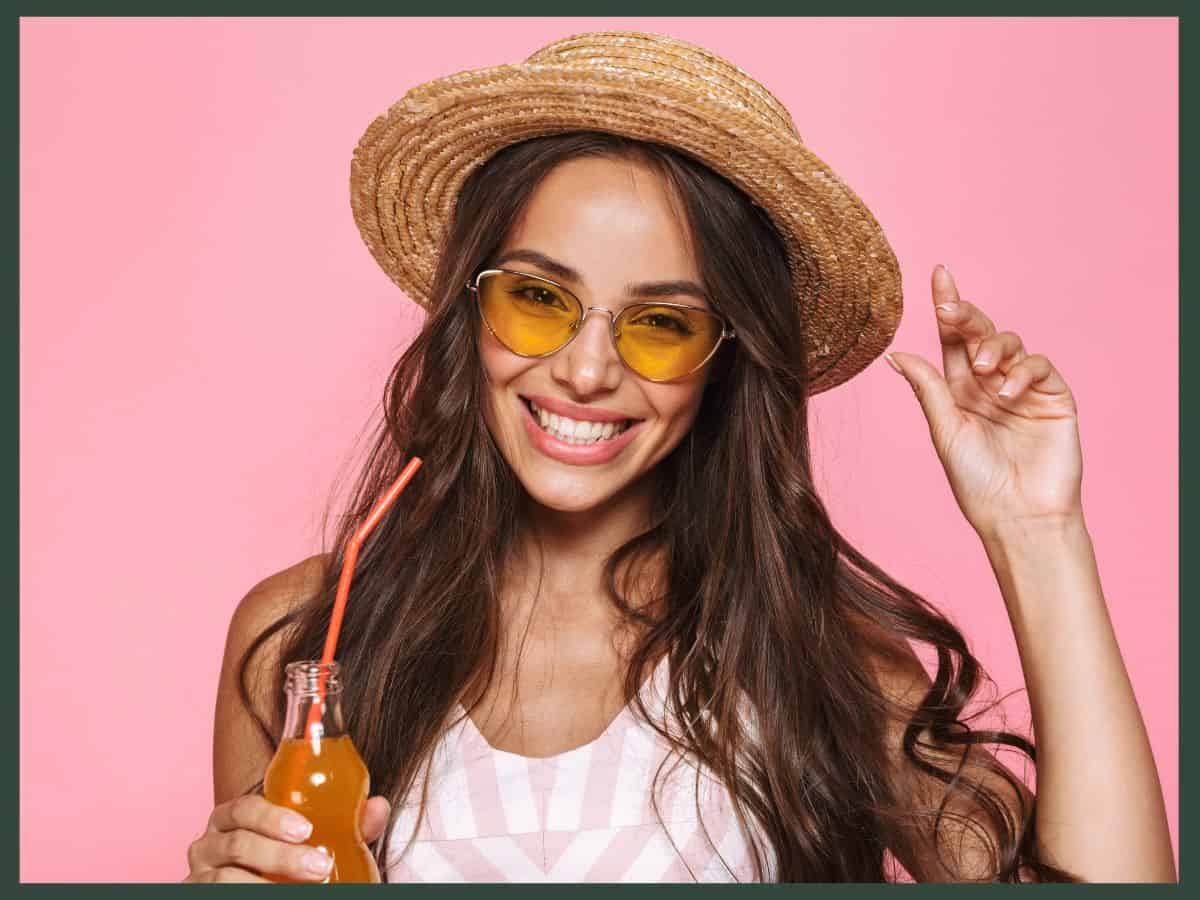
x,y
533,316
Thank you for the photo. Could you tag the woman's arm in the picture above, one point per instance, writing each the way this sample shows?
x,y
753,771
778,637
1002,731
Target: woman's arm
x,y
1004,424
1100,811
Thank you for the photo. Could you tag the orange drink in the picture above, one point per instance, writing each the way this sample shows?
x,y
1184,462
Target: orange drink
x,y
322,776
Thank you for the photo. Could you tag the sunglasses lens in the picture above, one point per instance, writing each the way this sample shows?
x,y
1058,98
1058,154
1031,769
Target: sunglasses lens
x,y
534,317
664,342
528,315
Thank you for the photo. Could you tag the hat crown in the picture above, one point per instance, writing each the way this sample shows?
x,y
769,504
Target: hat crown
x,y
669,57
412,161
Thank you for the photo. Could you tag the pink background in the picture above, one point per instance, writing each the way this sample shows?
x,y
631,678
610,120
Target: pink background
x,y
204,335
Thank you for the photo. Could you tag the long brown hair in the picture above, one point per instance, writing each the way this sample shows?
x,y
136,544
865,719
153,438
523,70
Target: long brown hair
x,y
762,593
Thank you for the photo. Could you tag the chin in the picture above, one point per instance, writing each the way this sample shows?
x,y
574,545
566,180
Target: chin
x,y
567,494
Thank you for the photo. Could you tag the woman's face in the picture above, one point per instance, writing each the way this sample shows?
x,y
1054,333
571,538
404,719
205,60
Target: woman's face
x,y
612,224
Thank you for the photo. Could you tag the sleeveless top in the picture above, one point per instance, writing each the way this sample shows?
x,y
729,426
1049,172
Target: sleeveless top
x,y
582,815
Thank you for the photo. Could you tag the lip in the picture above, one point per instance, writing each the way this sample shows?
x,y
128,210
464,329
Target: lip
x,y
575,411
575,454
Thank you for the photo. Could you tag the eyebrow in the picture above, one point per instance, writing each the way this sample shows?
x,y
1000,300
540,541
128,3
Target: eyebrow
x,y
564,272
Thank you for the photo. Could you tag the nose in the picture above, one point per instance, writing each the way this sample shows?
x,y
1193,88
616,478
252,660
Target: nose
x,y
589,364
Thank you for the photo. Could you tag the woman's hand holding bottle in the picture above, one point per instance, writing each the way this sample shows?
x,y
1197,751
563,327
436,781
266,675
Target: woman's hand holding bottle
x,y
249,839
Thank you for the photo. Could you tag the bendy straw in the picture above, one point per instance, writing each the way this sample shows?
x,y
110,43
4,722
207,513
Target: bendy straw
x,y
343,589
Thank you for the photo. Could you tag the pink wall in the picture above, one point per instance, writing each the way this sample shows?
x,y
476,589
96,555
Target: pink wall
x,y
203,335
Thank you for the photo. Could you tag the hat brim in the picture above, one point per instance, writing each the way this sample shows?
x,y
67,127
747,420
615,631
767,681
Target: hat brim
x,y
411,162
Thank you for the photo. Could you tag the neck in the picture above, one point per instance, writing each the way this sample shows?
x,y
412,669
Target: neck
x,y
567,550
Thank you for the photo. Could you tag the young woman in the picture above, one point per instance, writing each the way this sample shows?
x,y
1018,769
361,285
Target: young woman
x,y
609,631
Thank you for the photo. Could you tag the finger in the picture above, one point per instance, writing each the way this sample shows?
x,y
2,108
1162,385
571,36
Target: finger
x,y
1036,371
252,851
965,321
256,813
1000,352
375,818
932,391
960,325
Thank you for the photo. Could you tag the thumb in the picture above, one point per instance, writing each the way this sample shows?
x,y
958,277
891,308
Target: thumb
x,y
375,817
931,389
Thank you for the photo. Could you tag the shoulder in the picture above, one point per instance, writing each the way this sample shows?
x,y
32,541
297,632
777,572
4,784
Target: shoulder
x,y
892,662
964,846
245,723
266,603
278,594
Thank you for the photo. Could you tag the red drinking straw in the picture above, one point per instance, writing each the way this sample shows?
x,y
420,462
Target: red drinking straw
x,y
343,589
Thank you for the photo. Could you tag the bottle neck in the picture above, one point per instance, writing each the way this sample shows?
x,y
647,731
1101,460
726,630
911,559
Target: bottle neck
x,y
303,687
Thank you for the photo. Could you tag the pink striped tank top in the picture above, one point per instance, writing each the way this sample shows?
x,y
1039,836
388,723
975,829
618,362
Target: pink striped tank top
x,y
582,815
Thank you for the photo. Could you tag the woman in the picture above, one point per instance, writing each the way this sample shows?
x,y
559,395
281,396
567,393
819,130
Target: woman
x,y
609,632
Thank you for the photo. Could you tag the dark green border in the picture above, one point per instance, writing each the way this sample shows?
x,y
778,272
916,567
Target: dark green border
x,y
614,8
10,824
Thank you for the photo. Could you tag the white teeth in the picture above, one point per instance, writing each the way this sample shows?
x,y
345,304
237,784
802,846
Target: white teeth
x,y
572,431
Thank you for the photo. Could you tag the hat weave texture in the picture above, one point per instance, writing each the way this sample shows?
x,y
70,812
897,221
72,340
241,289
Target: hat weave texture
x,y
412,160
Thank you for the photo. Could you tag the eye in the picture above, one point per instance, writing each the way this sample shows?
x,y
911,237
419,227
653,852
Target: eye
x,y
540,295
665,321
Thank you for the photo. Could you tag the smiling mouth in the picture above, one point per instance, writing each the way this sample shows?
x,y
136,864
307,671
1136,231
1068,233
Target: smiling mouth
x,y
571,431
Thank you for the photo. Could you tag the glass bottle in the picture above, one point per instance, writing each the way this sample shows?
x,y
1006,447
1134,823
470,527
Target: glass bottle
x,y
320,774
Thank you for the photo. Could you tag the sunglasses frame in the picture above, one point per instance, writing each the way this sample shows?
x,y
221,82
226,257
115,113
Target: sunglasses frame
x,y
727,333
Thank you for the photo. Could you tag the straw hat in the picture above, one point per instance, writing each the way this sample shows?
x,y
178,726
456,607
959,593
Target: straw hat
x,y
412,160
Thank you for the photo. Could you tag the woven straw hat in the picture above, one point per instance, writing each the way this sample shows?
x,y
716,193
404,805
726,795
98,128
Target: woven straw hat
x,y
409,165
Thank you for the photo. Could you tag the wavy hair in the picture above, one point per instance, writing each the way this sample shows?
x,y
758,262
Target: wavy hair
x,y
763,603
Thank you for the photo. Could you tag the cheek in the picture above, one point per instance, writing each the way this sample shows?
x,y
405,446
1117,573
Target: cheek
x,y
500,370
499,365
677,405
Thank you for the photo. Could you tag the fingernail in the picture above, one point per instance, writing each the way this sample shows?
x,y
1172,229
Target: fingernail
x,y
948,306
982,360
296,827
1005,389
318,862
891,362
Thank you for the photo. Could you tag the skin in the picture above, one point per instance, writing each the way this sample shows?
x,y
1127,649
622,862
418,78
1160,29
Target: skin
x,y
1004,424
246,837
1013,463
615,223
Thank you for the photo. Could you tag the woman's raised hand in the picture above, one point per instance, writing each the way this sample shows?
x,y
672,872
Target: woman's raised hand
x,y
249,838
1003,421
